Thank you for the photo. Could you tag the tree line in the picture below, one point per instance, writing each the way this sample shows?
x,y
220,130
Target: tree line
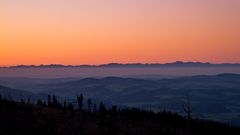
x,y
111,117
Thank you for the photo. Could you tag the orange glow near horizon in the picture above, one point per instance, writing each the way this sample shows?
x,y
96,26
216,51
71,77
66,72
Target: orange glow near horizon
x,y
125,31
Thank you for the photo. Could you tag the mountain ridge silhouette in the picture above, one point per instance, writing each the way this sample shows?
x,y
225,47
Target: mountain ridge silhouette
x,y
177,63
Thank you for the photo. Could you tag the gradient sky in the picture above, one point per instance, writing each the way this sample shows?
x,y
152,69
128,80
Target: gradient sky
x,y
125,31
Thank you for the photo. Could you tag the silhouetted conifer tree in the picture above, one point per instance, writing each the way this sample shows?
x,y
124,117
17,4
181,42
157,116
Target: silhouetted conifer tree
x,y
54,101
49,100
29,100
89,105
114,109
102,108
22,102
80,102
39,102
65,104
70,107
94,108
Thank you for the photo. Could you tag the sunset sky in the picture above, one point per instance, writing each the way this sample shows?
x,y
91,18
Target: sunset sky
x,y
125,31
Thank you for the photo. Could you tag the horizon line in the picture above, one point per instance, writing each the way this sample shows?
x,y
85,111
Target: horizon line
x,y
118,64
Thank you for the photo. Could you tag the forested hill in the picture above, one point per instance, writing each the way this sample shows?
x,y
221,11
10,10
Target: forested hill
x,y
52,118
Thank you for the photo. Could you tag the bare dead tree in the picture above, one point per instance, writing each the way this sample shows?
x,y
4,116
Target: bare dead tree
x,y
188,110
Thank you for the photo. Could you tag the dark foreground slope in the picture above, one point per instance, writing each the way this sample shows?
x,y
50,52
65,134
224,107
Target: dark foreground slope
x,y
28,119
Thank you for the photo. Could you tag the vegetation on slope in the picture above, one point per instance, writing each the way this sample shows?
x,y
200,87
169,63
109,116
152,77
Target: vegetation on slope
x,y
55,118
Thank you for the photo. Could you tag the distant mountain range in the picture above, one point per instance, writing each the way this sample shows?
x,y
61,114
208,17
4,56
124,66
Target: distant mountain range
x,y
214,97
18,94
174,64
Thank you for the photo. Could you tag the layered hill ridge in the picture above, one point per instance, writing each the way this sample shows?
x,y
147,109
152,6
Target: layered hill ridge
x,y
214,97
